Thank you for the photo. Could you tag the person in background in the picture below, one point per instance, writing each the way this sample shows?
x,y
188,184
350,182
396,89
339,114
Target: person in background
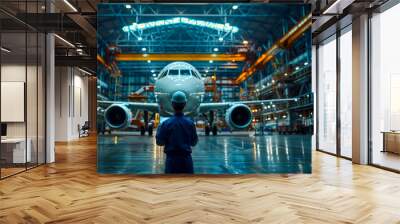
x,y
178,135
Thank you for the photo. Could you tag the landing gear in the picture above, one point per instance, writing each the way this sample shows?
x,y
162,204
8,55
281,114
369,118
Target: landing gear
x,y
142,130
214,130
207,130
150,130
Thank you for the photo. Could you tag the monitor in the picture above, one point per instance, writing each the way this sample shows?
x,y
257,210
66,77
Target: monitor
x,y
3,129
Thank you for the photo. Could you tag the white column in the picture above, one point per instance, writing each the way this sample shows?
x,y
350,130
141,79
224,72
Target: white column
x,y
360,90
50,99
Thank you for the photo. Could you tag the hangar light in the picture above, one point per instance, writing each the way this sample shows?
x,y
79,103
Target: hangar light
x,y
234,7
181,20
128,6
139,38
215,49
152,71
211,61
148,61
144,49
220,39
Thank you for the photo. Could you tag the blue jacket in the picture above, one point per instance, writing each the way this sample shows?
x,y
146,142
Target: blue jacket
x,y
178,134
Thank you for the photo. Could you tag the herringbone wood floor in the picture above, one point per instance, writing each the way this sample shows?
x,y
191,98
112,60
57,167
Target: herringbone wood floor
x,y
70,191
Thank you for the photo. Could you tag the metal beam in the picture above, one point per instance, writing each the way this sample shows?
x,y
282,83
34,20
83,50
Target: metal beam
x,y
293,34
180,57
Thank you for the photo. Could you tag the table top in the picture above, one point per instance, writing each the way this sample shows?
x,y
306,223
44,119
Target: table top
x,y
391,132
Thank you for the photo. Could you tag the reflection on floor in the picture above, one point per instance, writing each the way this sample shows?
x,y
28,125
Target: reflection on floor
x,y
386,159
213,155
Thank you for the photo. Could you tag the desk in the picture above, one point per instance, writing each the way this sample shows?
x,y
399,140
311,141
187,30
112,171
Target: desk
x,y
15,148
391,141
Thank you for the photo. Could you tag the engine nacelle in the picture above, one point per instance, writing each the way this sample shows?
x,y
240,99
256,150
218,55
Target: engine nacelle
x,y
238,116
118,116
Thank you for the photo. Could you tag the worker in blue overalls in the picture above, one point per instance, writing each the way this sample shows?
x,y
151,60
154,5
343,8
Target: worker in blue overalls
x,y
177,134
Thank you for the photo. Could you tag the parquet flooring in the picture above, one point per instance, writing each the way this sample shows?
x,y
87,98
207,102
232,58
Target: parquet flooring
x,y
70,191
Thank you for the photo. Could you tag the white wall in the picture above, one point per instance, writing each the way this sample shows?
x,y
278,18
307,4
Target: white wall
x,y
71,102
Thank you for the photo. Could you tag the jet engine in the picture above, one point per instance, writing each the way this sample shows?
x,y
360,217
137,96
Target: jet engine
x,y
238,116
118,116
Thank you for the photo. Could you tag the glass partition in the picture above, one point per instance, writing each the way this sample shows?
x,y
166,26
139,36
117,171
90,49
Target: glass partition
x,y
385,89
327,95
22,90
346,92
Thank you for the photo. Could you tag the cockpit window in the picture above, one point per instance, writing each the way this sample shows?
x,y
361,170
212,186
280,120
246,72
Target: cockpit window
x,y
185,72
163,74
173,72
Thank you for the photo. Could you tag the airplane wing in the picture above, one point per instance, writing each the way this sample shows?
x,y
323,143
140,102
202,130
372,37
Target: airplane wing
x,y
153,107
204,107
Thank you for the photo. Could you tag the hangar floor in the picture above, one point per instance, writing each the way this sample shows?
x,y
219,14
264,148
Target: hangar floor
x,y
223,154
71,191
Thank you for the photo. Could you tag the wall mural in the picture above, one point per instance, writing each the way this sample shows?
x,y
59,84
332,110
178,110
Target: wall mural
x,y
204,88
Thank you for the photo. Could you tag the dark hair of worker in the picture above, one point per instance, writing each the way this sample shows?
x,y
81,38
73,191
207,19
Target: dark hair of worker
x,y
178,107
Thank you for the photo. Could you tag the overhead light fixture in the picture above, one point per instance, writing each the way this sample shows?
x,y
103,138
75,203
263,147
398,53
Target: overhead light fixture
x,y
145,55
144,49
285,74
152,71
84,71
211,61
305,63
215,49
70,5
245,42
128,6
206,71
181,20
5,50
297,67
148,61
154,75
64,40
79,50
139,38
234,7
220,39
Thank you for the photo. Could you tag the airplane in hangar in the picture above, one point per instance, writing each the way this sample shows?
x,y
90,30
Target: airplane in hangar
x,y
182,76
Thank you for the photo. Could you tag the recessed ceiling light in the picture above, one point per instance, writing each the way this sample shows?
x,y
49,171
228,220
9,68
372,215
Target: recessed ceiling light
x,y
220,39
234,7
152,71
211,61
215,49
305,63
128,6
148,61
154,75
139,38
144,49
